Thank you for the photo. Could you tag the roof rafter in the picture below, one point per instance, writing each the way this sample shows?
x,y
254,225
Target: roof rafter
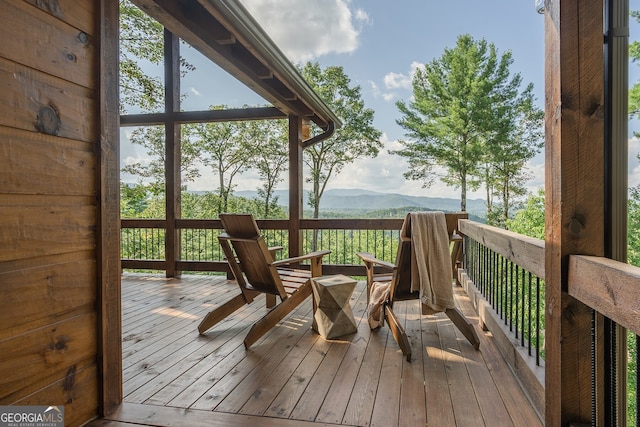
x,y
225,32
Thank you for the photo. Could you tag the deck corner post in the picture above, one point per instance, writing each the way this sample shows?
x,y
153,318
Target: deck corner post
x,y
575,195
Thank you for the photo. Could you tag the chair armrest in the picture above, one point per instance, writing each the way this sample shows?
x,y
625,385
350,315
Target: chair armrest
x,y
274,249
311,255
370,259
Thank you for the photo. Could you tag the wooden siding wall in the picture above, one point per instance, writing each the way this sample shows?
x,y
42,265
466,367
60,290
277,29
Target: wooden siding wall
x,y
49,129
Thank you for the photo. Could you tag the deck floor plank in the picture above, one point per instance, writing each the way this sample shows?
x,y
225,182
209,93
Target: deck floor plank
x,y
216,348
439,399
386,406
412,395
342,387
169,368
292,377
312,399
465,406
164,314
360,407
257,362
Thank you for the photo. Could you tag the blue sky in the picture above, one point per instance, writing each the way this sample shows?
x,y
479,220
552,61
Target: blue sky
x,y
379,43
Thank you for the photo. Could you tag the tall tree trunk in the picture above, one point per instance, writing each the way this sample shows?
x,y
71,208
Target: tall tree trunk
x,y
316,212
463,193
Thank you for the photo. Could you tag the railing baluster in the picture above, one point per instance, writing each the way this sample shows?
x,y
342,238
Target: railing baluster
x,y
517,299
529,312
538,321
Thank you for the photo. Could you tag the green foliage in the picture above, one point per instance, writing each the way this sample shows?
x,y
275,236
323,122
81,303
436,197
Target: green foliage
x,y
271,159
141,43
529,221
133,200
232,147
152,172
138,201
356,138
516,142
632,377
634,55
633,236
467,112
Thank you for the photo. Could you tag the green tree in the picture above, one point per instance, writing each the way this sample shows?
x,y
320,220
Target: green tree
x,y
141,43
133,200
529,221
141,46
457,109
633,237
271,159
356,138
152,171
634,55
227,147
507,153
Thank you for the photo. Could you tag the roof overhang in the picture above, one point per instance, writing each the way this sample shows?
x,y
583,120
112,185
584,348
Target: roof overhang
x,y
225,32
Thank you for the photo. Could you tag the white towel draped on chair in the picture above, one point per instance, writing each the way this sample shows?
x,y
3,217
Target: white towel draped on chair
x,y
431,261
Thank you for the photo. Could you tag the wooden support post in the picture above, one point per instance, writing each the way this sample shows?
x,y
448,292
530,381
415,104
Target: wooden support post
x,y
108,232
295,185
575,196
172,152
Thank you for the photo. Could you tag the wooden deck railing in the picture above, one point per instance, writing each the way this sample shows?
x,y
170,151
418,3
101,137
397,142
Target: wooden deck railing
x,y
142,242
503,274
611,289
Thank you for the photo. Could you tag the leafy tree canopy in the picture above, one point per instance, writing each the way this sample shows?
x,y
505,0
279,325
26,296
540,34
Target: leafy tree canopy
x,y
356,138
462,102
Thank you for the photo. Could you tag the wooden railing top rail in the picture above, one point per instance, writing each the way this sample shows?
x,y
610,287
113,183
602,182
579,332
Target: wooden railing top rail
x,y
609,287
526,252
275,224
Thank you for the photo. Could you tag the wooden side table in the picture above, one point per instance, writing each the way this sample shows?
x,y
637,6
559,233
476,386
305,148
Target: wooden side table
x,y
332,312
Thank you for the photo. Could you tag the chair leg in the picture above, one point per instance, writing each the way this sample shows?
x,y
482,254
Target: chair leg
x,y
272,318
398,332
463,324
270,300
221,312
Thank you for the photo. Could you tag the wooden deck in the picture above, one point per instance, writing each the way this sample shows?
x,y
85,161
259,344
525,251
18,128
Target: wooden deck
x,y
292,377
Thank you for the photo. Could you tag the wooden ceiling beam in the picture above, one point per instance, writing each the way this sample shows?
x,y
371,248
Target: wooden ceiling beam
x,y
196,24
232,114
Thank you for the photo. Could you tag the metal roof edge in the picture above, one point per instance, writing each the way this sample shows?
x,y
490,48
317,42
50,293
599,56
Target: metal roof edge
x,y
241,20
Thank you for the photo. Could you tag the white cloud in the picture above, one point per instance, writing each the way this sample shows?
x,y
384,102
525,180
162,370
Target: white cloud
x,y
307,30
130,160
362,16
383,173
397,81
195,91
390,96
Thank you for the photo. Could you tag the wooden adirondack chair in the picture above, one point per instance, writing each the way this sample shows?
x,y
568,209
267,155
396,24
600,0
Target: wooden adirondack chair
x,y
254,268
399,276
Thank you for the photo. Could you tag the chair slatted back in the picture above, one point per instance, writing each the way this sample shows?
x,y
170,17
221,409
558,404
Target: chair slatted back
x,y
252,256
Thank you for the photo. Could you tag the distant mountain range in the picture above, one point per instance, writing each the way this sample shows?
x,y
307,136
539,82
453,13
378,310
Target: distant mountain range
x,y
362,200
